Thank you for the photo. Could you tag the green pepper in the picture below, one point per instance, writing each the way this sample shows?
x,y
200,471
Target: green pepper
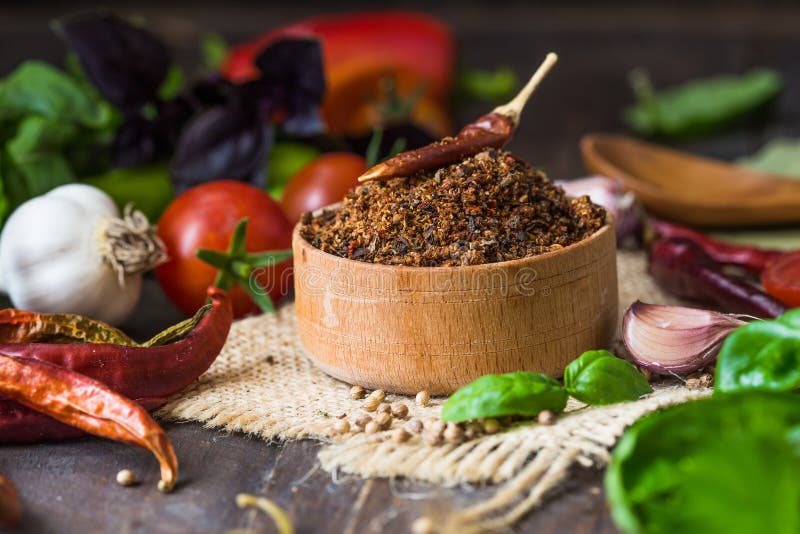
x,y
700,106
287,159
149,188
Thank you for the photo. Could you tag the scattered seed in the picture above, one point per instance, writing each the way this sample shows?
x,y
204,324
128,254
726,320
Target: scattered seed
x,y
384,407
435,425
362,421
357,392
432,438
546,417
378,394
423,525
473,430
372,427
414,426
706,380
400,435
399,410
384,419
491,426
423,398
453,433
371,403
342,426
126,477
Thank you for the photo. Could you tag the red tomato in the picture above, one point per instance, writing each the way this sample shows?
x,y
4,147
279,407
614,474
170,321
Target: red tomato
x,y
781,279
204,217
325,180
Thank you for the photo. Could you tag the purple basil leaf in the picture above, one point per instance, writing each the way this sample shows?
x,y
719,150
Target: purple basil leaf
x,y
126,63
223,142
292,82
135,143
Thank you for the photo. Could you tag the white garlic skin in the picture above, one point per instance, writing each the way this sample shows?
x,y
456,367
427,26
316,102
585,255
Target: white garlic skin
x,y
51,261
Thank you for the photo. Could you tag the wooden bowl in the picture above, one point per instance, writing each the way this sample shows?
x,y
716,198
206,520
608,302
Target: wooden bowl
x,y
407,329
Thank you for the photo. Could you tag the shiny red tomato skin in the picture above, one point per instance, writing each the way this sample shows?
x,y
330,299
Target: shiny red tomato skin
x,y
781,279
325,180
204,217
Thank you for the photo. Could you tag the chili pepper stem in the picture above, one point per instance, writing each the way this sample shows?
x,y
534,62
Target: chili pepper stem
x,y
514,108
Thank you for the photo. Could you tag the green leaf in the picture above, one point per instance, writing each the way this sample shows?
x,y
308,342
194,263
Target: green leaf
x,y
496,85
520,393
215,50
715,466
700,106
762,355
33,164
598,377
38,88
149,188
780,157
172,84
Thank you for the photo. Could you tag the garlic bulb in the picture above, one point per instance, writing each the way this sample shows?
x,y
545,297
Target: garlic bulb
x,y
675,339
69,251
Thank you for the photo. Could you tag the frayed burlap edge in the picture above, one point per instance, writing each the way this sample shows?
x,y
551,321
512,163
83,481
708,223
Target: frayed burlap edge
x,y
263,384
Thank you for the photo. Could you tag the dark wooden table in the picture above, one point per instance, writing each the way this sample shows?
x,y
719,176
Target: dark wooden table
x,y
69,487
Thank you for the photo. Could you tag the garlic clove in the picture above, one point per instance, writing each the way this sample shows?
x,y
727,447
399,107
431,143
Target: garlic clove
x,y
675,339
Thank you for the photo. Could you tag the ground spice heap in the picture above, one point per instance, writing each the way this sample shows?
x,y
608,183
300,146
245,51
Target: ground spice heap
x,y
487,208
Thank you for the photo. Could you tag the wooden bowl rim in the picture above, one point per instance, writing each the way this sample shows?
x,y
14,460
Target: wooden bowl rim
x,y
305,245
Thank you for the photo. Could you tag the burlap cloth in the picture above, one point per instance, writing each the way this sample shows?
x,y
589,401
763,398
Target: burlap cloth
x,y
263,384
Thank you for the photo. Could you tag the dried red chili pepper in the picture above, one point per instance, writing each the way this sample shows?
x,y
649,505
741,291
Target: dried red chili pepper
x,y
84,403
149,373
22,326
752,259
681,267
492,130
10,506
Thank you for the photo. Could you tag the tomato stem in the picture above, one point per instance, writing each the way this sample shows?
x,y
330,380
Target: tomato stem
x,y
237,266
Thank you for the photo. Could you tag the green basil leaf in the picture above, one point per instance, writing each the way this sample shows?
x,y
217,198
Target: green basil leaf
x,y
722,465
521,393
699,106
598,377
762,355
38,88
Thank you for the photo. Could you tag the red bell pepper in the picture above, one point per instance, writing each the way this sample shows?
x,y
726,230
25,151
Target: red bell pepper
x,y
359,50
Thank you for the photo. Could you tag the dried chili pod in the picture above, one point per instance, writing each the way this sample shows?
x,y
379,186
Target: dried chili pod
x,y
84,403
752,259
10,506
681,267
149,373
21,326
491,130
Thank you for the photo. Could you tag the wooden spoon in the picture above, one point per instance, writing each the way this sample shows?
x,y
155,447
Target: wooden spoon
x,y
692,189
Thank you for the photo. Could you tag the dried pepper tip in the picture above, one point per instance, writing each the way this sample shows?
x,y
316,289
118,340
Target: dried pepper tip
x,y
86,404
10,506
282,521
492,130
236,265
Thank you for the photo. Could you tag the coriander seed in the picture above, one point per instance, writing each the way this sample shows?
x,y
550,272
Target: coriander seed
x,y
372,428
342,426
384,407
422,399
414,426
378,394
432,438
126,477
400,435
357,392
453,433
399,410
491,426
362,421
546,417
384,419
371,403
